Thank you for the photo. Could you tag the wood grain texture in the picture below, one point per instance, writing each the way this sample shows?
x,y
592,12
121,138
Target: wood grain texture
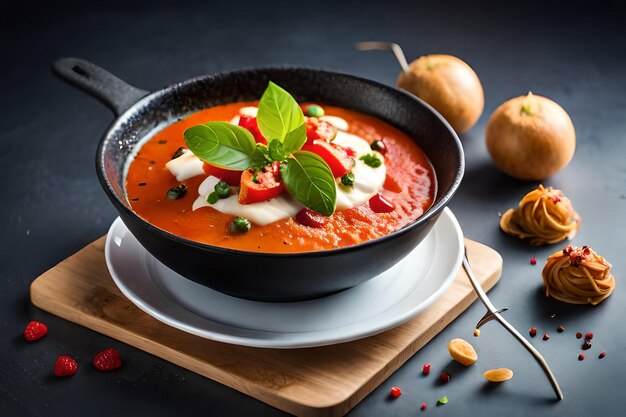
x,y
321,381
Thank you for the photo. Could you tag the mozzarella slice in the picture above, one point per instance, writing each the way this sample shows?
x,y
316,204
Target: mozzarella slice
x,y
185,166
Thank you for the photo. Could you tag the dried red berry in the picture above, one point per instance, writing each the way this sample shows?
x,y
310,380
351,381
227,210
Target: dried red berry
x,y
395,392
581,357
533,261
588,336
532,332
310,218
556,199
426,369
423,407
602,354
546,336
107,360
380,204
35,330
579,335
65,366
560,329
586,345
444,377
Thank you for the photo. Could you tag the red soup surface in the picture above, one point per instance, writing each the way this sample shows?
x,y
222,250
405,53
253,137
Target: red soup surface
x,y
410,185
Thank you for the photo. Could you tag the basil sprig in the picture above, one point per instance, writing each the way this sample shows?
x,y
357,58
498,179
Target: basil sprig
x,y
309,179
306,175
221,144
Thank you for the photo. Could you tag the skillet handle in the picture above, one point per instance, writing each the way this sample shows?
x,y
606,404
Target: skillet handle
x,y
99,83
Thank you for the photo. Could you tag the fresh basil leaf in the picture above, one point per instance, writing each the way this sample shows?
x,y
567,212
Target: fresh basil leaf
x,y
309,179
278,113
276,153
294,140
221,144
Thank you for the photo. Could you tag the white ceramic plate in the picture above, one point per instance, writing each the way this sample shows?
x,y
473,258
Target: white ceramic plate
x,y
379,304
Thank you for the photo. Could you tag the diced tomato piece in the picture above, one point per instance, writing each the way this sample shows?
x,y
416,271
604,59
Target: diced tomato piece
x,y
380,204
250,123
311,218
226,175
267,188
336,158
319,129
348,150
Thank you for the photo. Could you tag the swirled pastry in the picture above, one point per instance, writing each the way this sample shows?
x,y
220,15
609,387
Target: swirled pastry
x,y
578,276
544,216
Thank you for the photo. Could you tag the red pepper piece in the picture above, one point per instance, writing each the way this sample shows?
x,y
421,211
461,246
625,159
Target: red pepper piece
x,y
336,158
311,218
250,123
380,204
226,175
319,129
268,187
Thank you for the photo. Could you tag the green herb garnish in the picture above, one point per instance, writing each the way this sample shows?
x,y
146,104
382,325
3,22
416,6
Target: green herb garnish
x,y
280,119
348,179
371,159
443,400
240,225
177,192
212,198
221,190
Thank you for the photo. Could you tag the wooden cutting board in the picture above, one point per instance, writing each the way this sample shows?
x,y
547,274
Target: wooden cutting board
x,y
322,381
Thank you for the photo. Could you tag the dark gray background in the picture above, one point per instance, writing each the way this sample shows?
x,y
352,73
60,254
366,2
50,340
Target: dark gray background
x,y
52,204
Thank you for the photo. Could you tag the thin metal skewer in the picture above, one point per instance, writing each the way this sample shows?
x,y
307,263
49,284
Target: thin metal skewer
x,y
386,46
494,314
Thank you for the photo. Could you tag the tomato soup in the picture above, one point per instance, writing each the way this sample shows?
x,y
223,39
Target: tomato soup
x,y
409,185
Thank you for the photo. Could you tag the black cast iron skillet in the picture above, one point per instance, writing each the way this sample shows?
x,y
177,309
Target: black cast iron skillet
x,y
265,276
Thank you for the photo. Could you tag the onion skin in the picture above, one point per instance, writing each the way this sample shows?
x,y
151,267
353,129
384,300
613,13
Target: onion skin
x,y
530,137
449,85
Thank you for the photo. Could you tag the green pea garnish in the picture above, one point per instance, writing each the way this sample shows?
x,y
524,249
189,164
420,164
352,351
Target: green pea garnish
x,y
313,110
240,225
222,189
371,160
348,179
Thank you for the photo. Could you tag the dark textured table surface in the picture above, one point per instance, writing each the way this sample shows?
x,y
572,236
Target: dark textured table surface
x,y
52,204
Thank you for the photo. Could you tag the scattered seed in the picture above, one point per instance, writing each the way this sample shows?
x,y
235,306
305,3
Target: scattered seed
x,y
560,329
532,332
533,261
586,345
602,355
152,162
444,377
134,199
581,357
588,336
426,369
553,315
142,184
476,332
395,392
162,142
546,336
423,407
579,335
